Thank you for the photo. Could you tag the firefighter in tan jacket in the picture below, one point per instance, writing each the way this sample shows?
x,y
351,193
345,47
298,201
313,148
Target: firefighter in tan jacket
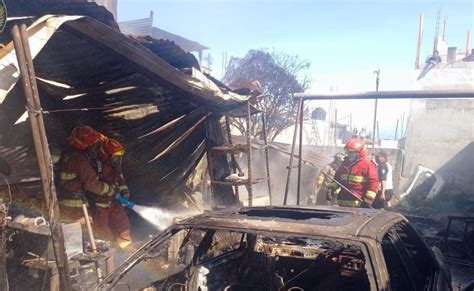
x,y
79,167
322,183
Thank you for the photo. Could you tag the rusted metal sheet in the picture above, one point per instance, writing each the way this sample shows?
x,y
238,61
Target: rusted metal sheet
x,y
104,81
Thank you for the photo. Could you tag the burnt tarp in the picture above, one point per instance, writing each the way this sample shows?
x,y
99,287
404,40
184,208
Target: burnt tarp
x,y
89,73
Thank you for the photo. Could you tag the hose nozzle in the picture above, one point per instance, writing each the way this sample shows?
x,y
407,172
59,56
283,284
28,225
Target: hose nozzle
x,y
124,201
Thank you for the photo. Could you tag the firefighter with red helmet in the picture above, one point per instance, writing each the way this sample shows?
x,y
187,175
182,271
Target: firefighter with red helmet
x,y
110,217
78,173
357,176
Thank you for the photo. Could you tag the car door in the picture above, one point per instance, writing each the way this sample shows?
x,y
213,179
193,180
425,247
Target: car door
x,y
410,263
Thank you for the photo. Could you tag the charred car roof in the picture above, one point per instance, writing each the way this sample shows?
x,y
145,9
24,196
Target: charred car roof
x,y
338,222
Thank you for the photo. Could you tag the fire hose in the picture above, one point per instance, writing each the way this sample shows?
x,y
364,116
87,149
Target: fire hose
x,y
345,188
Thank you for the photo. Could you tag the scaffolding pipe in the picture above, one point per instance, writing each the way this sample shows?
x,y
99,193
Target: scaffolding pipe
x,y
249,158
300,154
28,78
396,129
439,94
267,162
298,112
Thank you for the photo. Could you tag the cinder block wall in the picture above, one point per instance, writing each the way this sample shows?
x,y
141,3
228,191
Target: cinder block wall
x,y
440,136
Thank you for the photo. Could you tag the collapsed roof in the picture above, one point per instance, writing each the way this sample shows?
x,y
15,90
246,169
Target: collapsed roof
x,y
147,93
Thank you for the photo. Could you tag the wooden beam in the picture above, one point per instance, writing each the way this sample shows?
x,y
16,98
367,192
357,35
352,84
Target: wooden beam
x,y
43,155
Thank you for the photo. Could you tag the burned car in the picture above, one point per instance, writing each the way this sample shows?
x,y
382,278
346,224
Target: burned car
x,y
282,248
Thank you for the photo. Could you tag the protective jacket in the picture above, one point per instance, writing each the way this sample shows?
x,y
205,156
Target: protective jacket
x,y
78,175
360,177
327,170
114,177
110,217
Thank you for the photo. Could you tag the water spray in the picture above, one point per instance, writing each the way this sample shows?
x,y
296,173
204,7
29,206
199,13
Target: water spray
x,y
160,218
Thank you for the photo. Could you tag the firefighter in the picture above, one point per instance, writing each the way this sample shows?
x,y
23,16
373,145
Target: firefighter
x,y
323,181
110,217
78,173
358,175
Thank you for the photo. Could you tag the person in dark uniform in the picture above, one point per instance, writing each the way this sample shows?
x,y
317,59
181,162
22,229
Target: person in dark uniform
x,y
385,190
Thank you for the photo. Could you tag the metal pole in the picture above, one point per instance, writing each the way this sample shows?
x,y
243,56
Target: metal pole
x,y
468,43
378,132
300,105
350,123
375,106
396,129
300,154
249,158
267,163
335,127
401,125
43,155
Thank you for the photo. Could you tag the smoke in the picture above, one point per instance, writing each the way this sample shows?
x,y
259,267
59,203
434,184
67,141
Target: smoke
x,y
161,218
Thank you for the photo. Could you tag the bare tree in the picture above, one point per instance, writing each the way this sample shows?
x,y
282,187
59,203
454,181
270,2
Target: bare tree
x,y
278,74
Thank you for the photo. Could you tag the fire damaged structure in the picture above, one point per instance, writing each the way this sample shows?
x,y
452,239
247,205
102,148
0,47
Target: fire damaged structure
x,y
147,93
287,248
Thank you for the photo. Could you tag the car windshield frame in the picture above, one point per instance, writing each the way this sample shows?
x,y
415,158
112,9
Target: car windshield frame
x,y
163,238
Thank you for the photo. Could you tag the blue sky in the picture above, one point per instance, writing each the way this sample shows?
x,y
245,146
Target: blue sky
x,y
333,35
345,41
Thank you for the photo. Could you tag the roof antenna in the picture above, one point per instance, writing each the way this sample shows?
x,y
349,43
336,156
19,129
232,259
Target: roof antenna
x,y
435,45
151,16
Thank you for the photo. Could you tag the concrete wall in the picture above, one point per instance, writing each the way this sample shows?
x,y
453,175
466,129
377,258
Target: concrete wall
x,y
440,136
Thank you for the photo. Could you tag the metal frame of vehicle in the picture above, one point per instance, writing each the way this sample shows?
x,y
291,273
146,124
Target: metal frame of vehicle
x,y
364,228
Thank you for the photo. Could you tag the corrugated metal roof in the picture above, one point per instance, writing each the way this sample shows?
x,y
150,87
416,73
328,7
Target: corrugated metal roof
x,y
131,94
144,27
17,8
186,44
139,27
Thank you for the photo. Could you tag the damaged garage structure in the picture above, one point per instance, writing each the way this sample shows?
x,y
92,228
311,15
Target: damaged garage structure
x,y
148,93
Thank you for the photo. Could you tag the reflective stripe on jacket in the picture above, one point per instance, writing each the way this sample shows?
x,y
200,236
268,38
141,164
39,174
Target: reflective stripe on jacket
x,y
71,203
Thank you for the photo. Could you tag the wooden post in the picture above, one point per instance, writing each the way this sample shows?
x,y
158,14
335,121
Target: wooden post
x,y
43,155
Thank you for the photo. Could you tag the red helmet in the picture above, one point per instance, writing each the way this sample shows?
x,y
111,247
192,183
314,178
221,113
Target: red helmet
x,y
110,148
83,137
355,145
